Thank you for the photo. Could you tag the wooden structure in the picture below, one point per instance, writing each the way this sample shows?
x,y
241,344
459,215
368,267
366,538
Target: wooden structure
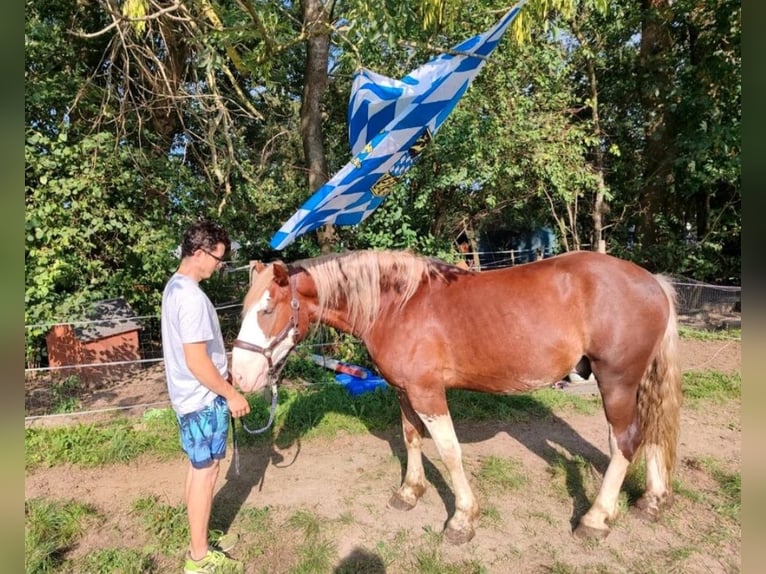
x,y
110,336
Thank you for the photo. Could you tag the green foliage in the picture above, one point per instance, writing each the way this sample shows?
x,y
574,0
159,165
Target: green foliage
x,y
711,386
699,77
316,553
65,395
727,499
704,335
499,475
108,192
50,528
168,525
730,484
97,444
429,559
110,560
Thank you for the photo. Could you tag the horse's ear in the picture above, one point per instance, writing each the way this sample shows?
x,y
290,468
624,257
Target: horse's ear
x,y
280,273
258,265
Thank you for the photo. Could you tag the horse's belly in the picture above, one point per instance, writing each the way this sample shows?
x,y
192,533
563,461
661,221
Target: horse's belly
x,y
507,382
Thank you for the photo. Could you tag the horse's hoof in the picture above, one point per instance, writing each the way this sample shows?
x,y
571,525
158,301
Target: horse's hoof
x,y
645,514
458,537
584,531
398,503
646,510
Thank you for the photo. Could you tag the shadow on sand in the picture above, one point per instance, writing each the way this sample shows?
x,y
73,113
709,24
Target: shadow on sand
x,y
256,454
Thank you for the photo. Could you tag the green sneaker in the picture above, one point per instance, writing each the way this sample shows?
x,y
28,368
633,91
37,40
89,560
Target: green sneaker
x,y
214,562
223,542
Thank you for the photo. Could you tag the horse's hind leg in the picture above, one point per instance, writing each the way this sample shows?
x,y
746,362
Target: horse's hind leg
x,y
657,495
594,523
414,484
624,437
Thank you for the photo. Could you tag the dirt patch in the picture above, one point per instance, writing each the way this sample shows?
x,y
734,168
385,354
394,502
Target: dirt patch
x,y
347,482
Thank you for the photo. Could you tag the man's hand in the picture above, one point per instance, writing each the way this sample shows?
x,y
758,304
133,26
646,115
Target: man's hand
x,y
238,405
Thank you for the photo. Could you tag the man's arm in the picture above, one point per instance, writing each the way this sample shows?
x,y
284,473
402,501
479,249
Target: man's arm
x,y
203,369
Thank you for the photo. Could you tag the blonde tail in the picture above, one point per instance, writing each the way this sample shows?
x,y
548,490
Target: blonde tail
x,y
660,394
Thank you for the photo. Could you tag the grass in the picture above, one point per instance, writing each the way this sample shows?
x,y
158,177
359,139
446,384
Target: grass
x,y
303,542
166,524
65,395
119,441
428,559
50,529
315,553
711,387
317,411
111,560
727,498
705,335
573,480
498,475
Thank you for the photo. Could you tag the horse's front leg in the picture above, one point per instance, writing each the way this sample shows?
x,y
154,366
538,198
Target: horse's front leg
x,y
460,528
414,484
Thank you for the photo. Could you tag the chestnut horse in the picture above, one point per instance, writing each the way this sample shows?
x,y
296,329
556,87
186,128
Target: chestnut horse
x,y
430,326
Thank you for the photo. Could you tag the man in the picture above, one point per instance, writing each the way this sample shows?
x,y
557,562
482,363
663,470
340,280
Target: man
x,y
196,371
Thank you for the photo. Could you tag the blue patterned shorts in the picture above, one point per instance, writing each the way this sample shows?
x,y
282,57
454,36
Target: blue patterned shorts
x,y
204,433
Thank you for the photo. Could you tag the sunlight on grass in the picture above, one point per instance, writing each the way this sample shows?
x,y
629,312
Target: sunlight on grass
x,y
117,441
428,559
491,516
574,479
730,491
711,386
167,524
394,549
50,527
499,475
315,553
306,521
539,404
705,335
111,560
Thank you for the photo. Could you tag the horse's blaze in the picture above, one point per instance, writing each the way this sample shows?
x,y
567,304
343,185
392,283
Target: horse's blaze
x,y
249,369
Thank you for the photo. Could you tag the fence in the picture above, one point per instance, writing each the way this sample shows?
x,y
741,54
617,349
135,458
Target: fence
x,y
115,386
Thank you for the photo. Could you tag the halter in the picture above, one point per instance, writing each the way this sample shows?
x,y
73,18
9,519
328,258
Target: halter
x,y
275,370
268,352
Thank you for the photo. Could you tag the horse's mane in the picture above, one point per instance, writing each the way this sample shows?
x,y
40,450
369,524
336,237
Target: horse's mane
x,y
358,278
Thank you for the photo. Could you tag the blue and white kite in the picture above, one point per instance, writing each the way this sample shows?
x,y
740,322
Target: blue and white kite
x,y
390,122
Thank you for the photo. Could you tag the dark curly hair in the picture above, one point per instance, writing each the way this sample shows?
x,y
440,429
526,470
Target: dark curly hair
x,y
206,235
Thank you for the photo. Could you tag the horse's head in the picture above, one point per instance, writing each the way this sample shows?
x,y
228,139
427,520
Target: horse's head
x,y
269,329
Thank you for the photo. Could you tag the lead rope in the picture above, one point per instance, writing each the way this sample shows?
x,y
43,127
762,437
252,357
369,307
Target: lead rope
x,y
273,410
275,375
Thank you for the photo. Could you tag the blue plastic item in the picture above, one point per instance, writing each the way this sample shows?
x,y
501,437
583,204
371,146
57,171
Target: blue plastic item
x,y
357,386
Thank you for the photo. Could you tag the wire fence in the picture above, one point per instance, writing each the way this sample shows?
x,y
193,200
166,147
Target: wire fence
x,y
131,375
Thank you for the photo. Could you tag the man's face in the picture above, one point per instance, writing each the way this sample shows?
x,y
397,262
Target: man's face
x,y
211,261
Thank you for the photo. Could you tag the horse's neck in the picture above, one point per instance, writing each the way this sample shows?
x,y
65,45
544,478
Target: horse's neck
x,y
337,318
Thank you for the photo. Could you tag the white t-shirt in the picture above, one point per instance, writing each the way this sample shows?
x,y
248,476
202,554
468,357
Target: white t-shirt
x,y
188,316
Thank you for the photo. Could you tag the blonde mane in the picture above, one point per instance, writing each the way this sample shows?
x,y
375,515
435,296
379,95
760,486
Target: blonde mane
x,y
358,278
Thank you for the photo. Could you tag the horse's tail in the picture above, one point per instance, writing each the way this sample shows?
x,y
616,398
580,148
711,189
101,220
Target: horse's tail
x,y
659,394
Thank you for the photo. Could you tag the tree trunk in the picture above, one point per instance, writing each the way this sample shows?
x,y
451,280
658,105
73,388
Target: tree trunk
x,y
598,243
655,83
315,19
